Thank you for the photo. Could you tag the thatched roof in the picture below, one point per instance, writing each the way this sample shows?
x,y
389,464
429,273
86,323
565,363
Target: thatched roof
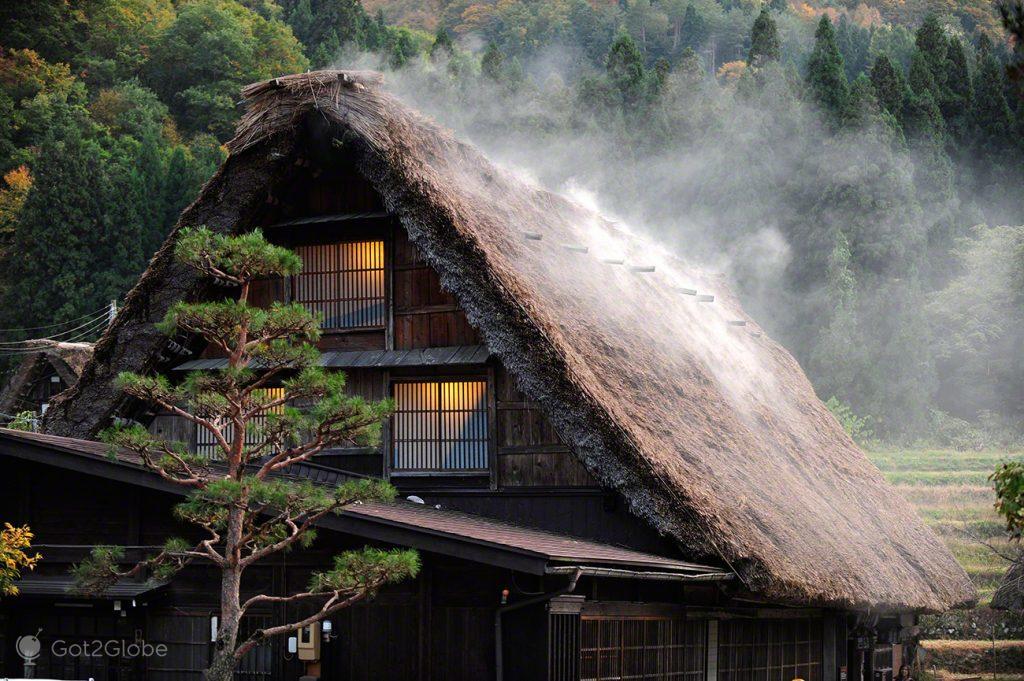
x,y
1010,594
709,430
67,360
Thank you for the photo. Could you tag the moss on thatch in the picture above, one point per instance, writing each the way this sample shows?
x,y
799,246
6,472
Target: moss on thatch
x,y
709,430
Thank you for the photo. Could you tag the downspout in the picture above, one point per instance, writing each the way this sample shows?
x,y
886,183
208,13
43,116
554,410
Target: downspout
x,y
499,670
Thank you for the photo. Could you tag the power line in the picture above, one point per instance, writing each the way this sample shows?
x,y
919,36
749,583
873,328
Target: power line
x,y
102,316
57,324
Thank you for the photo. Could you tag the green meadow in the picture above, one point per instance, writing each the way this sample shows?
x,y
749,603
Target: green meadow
x,y
951,491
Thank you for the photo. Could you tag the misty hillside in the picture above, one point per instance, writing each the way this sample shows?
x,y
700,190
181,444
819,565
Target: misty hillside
x,y
852,169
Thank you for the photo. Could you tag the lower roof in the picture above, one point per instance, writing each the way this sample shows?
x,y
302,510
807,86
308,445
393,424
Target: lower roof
x,y
454,355
404,523
64,585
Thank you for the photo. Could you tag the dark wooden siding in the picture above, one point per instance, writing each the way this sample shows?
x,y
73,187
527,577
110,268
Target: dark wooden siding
x,y
424,315
530,452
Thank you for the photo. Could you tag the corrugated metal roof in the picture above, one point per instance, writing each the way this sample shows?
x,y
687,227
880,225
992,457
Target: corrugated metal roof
x,y
369,359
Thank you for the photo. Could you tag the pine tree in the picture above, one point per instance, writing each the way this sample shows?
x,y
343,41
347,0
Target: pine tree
x,y
825,74
246,510
890,90
764,40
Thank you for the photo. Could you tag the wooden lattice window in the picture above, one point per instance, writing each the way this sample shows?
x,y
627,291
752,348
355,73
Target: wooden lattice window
x,y
206,443
344,283
642,648
440,426
769,650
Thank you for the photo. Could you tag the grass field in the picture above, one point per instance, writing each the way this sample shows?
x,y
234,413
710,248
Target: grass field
x,y
952,493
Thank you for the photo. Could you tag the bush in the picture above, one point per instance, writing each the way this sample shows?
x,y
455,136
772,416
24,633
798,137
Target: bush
x,y
857,427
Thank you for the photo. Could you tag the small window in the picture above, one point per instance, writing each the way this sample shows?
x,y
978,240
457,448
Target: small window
x,y
344,283
440,426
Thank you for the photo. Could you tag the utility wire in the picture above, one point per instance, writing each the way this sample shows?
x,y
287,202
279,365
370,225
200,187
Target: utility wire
x,y
56,337
103,310
97,326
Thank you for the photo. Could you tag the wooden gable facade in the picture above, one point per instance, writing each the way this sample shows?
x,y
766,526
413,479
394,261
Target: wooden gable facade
x,y
463,432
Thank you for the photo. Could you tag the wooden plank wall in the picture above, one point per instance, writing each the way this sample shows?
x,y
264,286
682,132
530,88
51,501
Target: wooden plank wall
x,y
425,316
530,452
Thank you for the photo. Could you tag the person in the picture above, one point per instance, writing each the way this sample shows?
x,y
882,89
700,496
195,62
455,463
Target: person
x,y
904,674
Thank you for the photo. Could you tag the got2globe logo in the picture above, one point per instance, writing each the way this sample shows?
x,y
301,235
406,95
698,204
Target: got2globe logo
x,y
28,647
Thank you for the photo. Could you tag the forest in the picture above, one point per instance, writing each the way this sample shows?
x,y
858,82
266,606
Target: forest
x,y
853,167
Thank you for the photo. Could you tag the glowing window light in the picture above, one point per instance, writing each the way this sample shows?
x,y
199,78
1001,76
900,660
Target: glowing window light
x,y
344,283
206,443
440,426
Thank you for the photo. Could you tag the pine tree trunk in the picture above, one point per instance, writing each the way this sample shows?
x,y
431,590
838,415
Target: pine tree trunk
x,y
222,668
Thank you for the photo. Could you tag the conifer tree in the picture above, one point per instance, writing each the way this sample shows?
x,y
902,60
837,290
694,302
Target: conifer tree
x,y
890,90
992,119
625,67
442,45
764,40
825,74
958,95
492,64
694,30
931,42
241,502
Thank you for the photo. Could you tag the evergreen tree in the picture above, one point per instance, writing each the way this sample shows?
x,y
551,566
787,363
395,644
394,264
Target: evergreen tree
x,y
992,118
694,30
442,45
931,42
492,64
764,40
79,238
958,95
825,74
246,511
922,118
854,44
890,90
625,67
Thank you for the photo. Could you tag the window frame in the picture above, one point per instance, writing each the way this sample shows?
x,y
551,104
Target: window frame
x,y
291,282
616,643
487,470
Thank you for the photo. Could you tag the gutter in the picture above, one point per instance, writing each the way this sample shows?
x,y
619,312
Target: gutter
x,y
499,670
636,574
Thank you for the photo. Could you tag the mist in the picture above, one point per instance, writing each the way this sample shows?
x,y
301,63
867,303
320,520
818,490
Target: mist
x,y
829,239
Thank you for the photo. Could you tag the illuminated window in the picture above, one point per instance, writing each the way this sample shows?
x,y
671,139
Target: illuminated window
x,y
344,283
440,426
206,443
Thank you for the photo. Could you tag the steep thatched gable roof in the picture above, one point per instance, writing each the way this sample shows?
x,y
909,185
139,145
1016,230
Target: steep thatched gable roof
x,y
710,430
67,360
1010,594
